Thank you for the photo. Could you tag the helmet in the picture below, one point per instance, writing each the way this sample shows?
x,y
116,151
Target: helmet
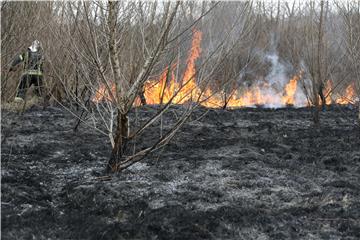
x,y
35,46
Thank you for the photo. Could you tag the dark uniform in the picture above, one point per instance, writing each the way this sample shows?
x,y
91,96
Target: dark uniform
x,y
33,72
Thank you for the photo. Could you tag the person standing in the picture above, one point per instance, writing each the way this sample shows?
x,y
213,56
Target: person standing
x,y
32,60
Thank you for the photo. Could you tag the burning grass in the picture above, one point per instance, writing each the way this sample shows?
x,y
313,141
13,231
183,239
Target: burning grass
x,y
167,88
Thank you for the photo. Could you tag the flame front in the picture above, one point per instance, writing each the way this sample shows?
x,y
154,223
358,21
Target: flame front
x,y
328,92
166,88
162,90
290,90
188,87
349,96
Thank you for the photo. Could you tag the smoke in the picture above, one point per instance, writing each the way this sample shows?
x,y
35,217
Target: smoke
x,y
278,73
278,77
300,97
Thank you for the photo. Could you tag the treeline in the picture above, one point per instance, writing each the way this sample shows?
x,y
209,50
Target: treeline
x,y
291,30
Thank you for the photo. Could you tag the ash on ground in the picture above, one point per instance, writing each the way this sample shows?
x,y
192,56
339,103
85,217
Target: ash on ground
x,y
239,174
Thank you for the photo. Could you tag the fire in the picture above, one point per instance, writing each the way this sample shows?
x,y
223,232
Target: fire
x,y
189,88
290,90
167,88
162,90
103,94
328,92
349,96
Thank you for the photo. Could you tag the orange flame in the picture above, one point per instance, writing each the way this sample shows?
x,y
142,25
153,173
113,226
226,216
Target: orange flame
x,y
166,88
189,88
162,90
290,90
349,96
102,94
327,93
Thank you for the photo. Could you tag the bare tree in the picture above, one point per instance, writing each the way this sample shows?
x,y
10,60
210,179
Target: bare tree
x,y
138,45
350,13
316,60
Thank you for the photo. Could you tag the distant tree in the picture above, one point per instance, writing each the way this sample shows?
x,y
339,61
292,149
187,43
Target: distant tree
x,y
350,13
316,61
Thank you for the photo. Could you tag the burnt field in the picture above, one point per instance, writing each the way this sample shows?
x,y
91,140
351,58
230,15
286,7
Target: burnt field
x,y
239,174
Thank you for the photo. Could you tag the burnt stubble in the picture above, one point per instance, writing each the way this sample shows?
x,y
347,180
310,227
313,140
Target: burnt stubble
x,y
232,174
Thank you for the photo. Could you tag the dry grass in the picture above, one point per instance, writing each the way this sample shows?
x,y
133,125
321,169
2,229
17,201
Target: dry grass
x,y
19,106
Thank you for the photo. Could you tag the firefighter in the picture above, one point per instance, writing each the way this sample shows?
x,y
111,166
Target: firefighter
x,y
32,60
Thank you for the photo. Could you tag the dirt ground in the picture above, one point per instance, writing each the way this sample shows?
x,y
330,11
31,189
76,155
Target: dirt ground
x,y
231,174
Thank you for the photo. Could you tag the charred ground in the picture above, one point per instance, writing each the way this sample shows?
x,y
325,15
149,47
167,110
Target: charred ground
x,y
240,174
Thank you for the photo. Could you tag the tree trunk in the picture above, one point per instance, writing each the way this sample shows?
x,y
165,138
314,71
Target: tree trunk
x,y
319,81
142,97
121,132
120,141
226,101
316,111
321,95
